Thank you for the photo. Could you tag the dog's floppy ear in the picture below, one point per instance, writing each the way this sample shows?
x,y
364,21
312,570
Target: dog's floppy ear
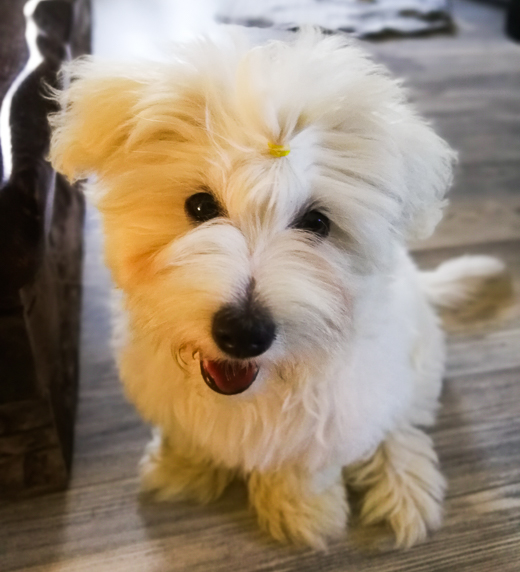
x,y
95,117
427,169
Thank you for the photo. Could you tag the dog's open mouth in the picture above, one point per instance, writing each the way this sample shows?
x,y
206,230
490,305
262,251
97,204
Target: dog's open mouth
x,y
228,378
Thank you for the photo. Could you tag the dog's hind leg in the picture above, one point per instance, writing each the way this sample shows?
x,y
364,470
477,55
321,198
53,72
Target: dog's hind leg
x,y
401,485
169,474
295,506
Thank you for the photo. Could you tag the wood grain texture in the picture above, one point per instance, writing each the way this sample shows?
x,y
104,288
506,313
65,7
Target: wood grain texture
x,y
41,238
468,85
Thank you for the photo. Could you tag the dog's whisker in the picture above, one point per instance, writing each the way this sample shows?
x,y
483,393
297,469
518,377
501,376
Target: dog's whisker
x,y
178,359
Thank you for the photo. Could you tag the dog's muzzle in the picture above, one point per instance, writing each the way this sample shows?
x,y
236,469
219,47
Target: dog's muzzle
x,y
242,332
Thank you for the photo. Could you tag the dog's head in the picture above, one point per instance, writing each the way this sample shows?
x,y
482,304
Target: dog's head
x,y
249,194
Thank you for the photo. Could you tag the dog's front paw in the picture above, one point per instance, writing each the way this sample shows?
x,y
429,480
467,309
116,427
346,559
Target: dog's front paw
x,y
290,511
402,486
168,475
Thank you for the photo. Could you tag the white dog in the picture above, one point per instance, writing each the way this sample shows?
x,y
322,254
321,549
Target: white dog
x,y
257,203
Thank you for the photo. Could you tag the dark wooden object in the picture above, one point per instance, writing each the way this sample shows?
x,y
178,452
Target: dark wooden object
x,y
41,221
513,20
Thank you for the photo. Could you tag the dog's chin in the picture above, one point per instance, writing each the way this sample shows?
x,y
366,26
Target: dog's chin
x,y
228,378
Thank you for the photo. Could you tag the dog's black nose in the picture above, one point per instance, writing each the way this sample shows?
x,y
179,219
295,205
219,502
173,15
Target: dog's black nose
x,y
243,331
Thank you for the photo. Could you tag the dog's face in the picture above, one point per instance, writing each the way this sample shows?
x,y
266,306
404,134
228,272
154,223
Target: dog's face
x,y
249,196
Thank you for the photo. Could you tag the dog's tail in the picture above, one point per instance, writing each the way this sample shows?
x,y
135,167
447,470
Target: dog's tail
x,y
460,280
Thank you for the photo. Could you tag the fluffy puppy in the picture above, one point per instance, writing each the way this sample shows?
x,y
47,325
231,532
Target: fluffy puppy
x,y
256,205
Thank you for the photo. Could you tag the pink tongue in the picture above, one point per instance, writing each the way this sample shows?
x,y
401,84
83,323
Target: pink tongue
x,y
230,378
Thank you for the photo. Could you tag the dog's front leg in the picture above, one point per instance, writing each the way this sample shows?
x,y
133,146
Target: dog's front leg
x,y
170,473
295,506
401,485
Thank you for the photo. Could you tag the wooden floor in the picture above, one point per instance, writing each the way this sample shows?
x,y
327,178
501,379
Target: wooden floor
x,y
470,86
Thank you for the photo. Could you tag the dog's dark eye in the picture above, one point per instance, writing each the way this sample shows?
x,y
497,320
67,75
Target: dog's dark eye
x,y
201,207
315,222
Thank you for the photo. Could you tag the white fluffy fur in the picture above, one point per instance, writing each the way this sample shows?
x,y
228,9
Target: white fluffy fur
x,y
358,358
460,279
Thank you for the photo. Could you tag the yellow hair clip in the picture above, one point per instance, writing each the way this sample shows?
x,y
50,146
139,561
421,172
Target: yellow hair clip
x,y
278,150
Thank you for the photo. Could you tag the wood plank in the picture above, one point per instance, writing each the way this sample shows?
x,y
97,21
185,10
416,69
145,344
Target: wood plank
x,y
478,439
468,86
